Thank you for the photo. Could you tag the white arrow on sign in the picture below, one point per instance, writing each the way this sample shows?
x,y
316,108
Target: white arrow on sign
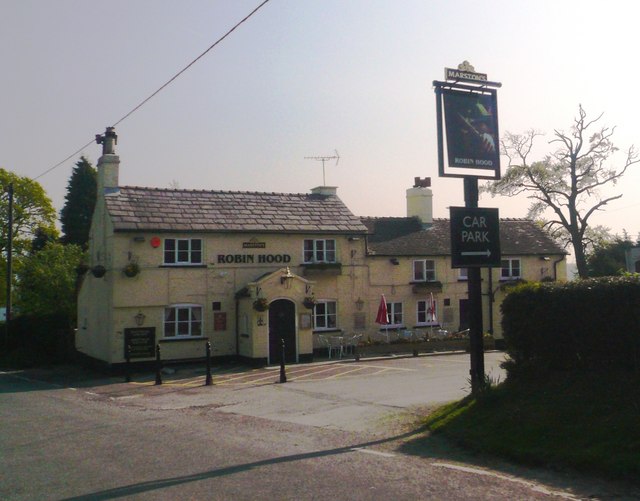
x,y
486,253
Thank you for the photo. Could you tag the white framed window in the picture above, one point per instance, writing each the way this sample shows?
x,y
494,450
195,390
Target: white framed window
x,y
183,320
395,314
424,316
183,251
325,315
424,270
463,273
511,269
319,251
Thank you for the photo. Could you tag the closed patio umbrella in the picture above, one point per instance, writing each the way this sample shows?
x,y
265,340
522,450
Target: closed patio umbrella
x,y
382,317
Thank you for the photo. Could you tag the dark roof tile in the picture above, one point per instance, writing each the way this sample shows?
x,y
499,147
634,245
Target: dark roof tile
x,y
152,209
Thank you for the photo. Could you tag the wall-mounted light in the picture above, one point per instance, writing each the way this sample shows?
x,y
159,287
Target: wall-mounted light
x,y
260,321
286,279
354,239
359,304
394,261
139,318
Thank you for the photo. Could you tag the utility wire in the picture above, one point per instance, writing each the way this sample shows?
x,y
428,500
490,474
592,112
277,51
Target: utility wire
x,y
161,88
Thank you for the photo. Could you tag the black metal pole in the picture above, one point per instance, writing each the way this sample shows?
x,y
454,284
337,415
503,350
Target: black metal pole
x,y
474,282
208,380
158,366
9,265
283,374
127,365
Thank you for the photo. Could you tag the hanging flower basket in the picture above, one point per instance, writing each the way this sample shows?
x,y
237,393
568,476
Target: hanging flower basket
x,y
309,302
98,271
261,304
131,269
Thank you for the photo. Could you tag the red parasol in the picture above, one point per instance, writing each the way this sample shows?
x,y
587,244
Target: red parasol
x,y
431,310
382,318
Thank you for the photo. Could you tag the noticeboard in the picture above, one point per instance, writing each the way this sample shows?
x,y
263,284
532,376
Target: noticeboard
x,y
141,342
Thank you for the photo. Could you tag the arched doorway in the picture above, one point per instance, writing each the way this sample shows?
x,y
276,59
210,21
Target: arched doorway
x,y
282,325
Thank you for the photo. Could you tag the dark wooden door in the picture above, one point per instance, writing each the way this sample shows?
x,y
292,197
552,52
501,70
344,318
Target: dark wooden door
x,y
282,325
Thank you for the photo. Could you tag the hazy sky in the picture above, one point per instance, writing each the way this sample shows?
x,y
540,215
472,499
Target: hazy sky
x,y
304,78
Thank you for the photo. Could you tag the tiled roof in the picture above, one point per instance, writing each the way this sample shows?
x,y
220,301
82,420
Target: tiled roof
x,y
405,236
152,209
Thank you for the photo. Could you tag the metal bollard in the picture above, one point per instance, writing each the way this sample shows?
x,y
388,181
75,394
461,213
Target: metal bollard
x,y
356,353
208,380
158,365
283,374
127,364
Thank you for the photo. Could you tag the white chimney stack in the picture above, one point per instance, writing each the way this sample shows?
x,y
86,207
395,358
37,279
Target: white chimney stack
x,y
108,163
420,201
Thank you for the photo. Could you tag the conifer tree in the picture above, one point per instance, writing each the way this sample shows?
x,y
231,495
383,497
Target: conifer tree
x,y
75,216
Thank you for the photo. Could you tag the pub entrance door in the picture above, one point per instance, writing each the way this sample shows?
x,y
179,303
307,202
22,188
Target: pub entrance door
x,y
282,325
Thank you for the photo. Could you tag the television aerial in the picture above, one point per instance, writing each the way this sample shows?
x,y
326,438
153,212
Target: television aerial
x,y
335,157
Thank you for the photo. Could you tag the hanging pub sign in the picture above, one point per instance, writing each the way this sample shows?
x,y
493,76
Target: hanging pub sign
x,y
467,116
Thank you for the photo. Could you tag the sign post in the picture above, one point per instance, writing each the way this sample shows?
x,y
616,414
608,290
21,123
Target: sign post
x,y
467,117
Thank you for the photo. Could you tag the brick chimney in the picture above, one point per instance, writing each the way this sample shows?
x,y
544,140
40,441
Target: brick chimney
x,y
420,201
108,163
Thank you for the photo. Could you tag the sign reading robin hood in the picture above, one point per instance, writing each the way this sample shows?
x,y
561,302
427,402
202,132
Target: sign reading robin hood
x,y
472,129
467,113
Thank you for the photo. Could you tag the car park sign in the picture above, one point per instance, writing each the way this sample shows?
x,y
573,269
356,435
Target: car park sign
x,y
475,237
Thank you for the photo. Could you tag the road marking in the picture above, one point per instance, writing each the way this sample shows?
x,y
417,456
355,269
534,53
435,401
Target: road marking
x,y
533,486
373,453
355,369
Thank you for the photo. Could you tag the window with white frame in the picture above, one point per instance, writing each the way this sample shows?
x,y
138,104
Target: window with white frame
x,y
319,251
424,316
325,315
463,273
394,314
184,251
183,320
424,270
511,269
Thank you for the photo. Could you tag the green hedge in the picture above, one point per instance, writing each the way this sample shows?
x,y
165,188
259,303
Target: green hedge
x,y
590,324
37,340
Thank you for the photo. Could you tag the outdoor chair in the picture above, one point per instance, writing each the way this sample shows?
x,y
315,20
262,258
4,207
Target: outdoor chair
x,y
350,343
336,346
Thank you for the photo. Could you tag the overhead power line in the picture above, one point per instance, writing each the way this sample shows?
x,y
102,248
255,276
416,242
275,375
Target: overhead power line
x,y
162,87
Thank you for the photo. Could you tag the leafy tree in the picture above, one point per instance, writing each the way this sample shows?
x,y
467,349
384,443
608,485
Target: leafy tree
x,y
608,258
46,281
75,216
33,213
566,182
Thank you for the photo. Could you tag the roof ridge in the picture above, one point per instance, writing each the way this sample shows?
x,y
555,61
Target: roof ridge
x,y
226,192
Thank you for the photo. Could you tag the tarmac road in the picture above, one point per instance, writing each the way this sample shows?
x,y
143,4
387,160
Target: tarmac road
x,y
342,431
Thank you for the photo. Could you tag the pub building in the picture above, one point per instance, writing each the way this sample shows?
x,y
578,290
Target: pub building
x,y
244,270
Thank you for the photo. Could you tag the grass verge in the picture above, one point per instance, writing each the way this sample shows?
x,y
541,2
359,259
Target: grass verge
x,y
590,422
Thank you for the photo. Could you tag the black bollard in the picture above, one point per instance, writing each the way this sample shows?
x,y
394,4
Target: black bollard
x,y
127,364
158,366
208,381
283,374
356,353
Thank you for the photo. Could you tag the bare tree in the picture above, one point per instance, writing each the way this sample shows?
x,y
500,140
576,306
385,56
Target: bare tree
x,y
567,182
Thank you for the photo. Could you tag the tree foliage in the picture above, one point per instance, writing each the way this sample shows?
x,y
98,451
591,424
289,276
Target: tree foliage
x,y
566,183
33,213
608,257
46,281
75,216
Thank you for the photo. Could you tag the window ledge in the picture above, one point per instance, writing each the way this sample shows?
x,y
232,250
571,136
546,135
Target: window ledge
x,y
181,265
182,339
